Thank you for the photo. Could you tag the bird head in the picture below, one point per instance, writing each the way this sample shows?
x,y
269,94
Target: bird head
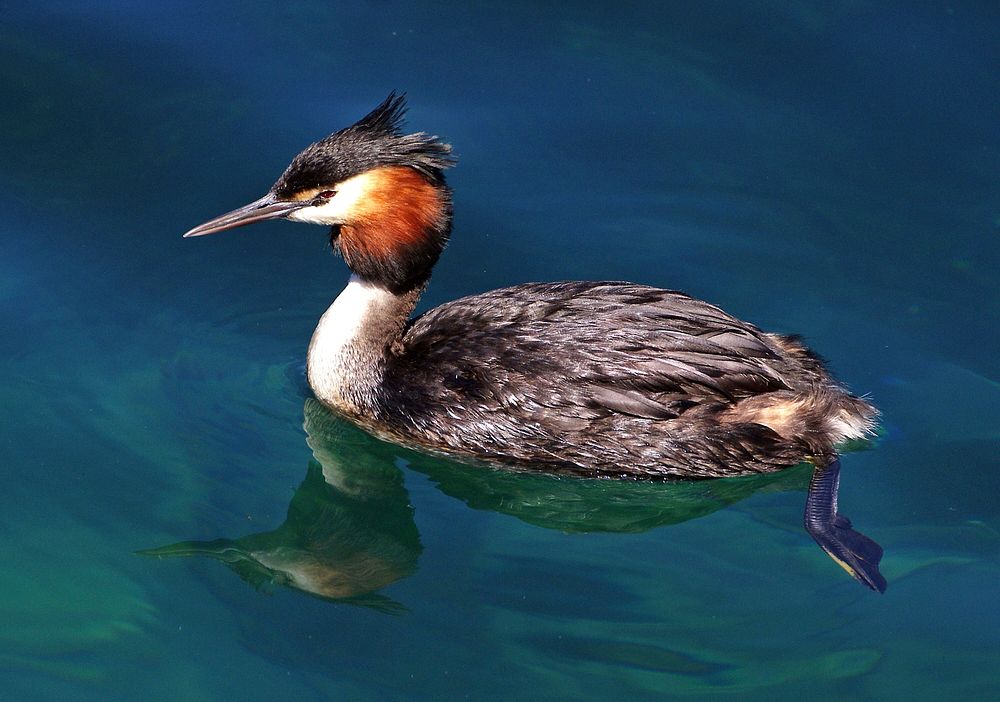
x,y
381,191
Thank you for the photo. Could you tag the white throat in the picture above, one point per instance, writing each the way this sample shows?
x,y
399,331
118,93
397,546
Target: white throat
x,y
343,356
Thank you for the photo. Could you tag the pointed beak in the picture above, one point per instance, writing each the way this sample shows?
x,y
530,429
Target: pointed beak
x,y
268,207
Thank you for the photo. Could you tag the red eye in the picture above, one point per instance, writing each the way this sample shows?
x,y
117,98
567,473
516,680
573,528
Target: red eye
x,y
326,194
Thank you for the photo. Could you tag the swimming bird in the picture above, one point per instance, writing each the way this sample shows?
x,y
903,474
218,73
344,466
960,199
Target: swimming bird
x,y
598,379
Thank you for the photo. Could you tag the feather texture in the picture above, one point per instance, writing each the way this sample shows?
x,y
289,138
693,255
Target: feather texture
x,y
613,378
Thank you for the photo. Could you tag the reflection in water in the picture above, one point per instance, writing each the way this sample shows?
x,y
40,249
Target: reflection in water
x,y
573,504
350,528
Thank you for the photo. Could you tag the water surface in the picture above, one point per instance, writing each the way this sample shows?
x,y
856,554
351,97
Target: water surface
x,y
829,169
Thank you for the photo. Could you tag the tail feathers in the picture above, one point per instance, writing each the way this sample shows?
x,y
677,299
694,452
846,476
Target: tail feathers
x,y
820,417
851,419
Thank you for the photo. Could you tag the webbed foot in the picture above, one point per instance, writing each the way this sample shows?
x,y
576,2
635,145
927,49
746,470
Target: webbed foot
x,y
852,550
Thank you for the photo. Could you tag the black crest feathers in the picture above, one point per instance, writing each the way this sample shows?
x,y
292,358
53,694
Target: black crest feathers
x,y
373,141
386,118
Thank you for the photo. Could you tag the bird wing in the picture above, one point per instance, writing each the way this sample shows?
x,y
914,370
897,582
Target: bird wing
x,y
585,350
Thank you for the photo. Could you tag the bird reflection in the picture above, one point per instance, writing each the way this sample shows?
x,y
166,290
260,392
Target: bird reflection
x,y
350,530
582,505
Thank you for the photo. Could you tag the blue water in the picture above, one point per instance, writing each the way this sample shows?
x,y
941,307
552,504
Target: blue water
x,y
830,169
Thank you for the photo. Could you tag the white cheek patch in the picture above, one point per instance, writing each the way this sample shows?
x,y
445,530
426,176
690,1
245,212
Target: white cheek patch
x,y
350,194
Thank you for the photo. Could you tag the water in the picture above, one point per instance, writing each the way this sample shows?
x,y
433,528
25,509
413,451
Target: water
x,y
830,169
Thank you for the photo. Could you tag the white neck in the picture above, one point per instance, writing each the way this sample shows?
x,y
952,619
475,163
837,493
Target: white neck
x,y
350,344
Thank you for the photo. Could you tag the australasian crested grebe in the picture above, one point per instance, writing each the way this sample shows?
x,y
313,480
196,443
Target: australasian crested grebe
x,y
602,379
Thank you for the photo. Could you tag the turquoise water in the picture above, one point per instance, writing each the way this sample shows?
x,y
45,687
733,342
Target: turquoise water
x,y
830,169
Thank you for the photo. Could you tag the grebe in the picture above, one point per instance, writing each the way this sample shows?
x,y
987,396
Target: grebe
x,y
600,379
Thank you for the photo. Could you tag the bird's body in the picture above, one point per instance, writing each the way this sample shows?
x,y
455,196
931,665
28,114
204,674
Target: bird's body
x,y
596,379
604,378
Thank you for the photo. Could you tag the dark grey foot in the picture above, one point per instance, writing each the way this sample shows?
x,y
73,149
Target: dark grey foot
x,y
852,550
